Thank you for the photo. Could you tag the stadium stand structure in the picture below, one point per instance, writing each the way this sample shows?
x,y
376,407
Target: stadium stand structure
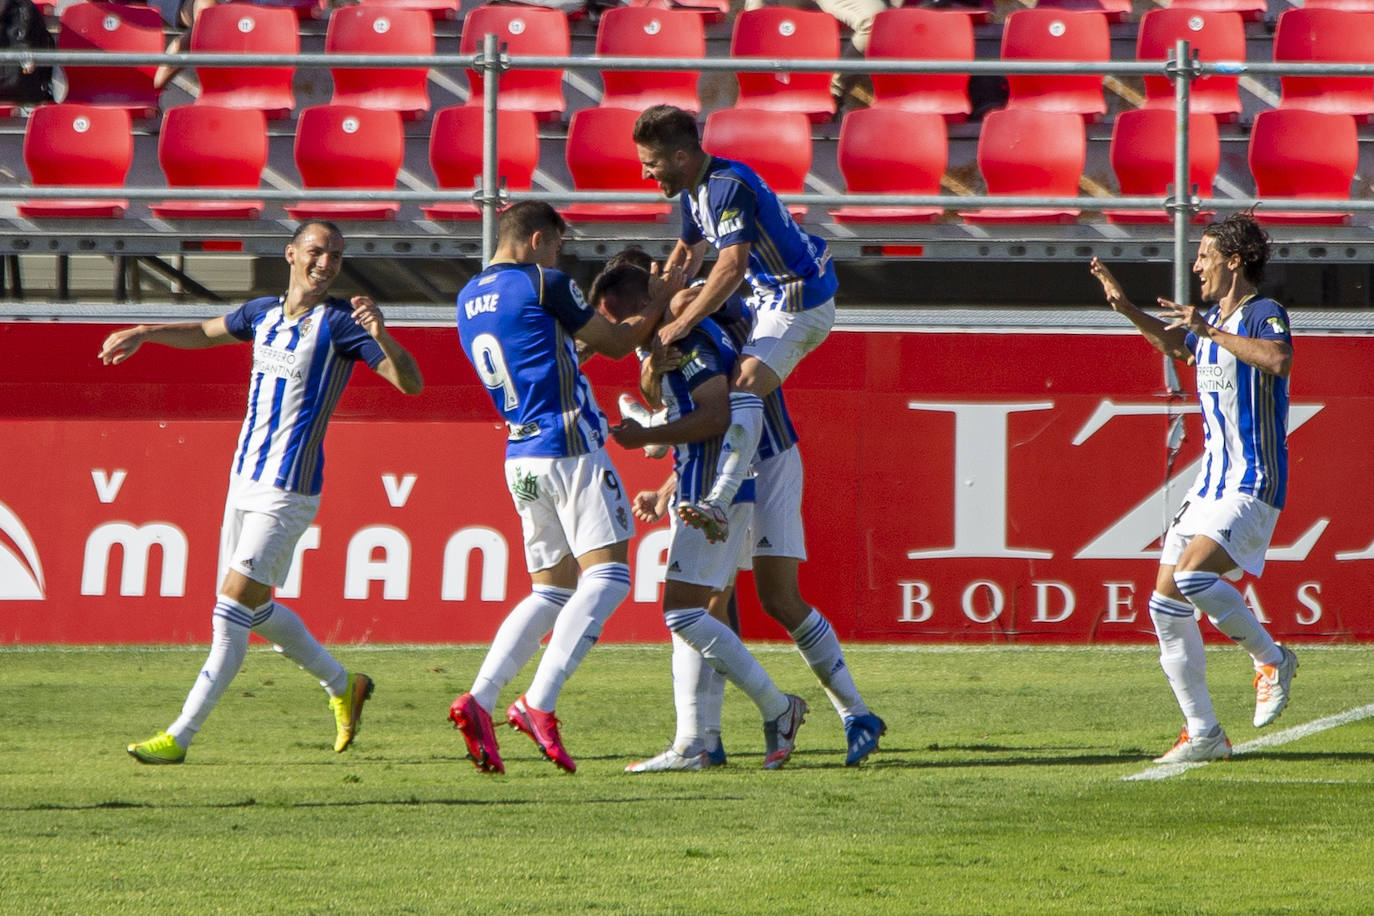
x,y
246,28
408,250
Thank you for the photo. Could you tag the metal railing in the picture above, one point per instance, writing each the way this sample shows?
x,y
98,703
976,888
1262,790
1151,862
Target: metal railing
x,y
492,62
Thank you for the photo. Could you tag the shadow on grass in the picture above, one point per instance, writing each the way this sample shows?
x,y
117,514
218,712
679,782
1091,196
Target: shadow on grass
x,y
360,803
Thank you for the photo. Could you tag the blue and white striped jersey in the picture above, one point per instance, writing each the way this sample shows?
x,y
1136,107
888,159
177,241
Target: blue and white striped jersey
x,y
788,269
706,353
516,324
736,319
1244,410
300,368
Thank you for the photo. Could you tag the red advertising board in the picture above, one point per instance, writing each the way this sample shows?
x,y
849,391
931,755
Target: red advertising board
x,y
970,486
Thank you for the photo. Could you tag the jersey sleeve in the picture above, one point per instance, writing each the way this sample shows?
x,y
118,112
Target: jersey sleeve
x,y
240,321
349,338
701,359
1267,320
736,210
563,300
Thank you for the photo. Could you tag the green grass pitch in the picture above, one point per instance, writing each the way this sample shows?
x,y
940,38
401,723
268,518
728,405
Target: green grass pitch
x,y
1000,788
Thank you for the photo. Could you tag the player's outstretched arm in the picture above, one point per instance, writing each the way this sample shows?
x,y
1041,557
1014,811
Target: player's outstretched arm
x,y
186,335
399,368
725,277
1169,339
1272,356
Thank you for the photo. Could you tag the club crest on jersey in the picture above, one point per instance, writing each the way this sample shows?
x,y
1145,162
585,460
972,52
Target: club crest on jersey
x,y
577,294
525,487
305,326
1275,322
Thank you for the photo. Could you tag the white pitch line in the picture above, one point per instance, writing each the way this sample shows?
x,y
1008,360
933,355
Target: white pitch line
x,y
1165,770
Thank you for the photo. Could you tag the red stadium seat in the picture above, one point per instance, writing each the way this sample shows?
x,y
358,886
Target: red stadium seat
x,y
1046,34
775,144
1354,6
455,154
911,32
780,32
301,9
1327,36
100,26
601,157
528,30
1214,36
78,145
1300,153
346,146
383,31
628,31
1250,10
891,151
708,10
437,9
1031,153
1142,156
206,146
246,28
1115,10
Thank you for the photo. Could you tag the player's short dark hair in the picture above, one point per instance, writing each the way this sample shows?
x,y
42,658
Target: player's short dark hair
x,y
1240,234
636,256
309,224
523,219
626,285
667,127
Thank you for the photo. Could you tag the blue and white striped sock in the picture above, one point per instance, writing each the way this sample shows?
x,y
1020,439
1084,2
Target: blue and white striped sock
x,y
228,646
1184,661
820,647
281,625
599,593
516,641
1221,601
723,651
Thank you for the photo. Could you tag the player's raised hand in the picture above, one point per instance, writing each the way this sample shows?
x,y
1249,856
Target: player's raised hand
x,y
1181,316
369,316
1110,287
120,345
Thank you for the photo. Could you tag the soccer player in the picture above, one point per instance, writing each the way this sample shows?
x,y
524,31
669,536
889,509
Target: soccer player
x,y
778,548
304,346
1243,351
518,321
726,205
696,393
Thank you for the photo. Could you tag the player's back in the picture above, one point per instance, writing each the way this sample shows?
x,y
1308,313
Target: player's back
x,y
516,324
706,352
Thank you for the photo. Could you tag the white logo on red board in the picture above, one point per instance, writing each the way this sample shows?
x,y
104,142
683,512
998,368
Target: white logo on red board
x,y
21,573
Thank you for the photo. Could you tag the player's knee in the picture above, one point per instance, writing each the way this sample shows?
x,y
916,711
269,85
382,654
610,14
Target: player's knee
x,y
612,580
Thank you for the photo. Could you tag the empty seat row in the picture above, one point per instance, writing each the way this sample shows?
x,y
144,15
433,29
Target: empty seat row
x,y
1021,152
1302,35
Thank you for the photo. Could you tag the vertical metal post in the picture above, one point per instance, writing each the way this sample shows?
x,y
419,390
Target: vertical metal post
x,y
1183,188
491,73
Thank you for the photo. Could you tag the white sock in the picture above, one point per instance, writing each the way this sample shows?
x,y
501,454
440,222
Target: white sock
x,y
723,651
818,644
689,677
228,646
577,629
516,641
1221,601
1184,661
281,625
740,445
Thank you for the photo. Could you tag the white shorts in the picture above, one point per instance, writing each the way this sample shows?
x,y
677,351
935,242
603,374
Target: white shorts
x,y
696,561
261,527
777,530
781,339
1241,524
568,506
